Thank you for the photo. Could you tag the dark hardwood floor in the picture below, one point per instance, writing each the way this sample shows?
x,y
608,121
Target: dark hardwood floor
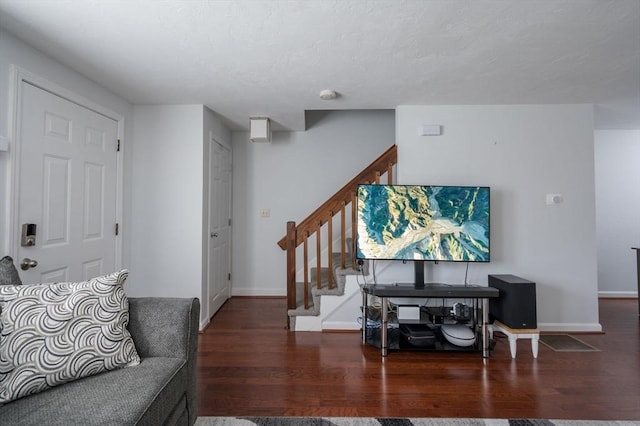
x,y
250,365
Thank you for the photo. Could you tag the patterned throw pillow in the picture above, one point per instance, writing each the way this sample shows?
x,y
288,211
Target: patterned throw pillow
x,y
8,272
55,333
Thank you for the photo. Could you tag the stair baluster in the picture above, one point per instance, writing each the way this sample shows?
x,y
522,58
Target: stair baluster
x,y
306,271
291,266
343,238
330,250
354,228
318,257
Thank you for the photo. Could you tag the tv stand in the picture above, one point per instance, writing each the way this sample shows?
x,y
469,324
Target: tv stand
x,y
418,274
428,291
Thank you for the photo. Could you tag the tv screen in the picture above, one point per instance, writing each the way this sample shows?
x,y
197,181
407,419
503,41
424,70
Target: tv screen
x,y
415,222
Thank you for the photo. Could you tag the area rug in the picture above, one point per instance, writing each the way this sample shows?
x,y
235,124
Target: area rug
x,y
371,421
565,343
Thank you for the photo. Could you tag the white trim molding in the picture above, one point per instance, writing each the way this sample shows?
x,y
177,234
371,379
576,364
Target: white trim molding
x,y
570,327
258,292
618,294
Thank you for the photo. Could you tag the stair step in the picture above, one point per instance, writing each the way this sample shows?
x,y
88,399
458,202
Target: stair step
x,y
324,271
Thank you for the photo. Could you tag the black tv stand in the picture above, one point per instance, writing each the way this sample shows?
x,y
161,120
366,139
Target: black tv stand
x,y
429,291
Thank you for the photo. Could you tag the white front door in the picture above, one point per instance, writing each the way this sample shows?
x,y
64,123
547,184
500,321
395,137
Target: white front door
x,y
67,188
219,226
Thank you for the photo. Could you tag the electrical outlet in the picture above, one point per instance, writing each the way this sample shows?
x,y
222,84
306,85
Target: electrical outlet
x,y
265,213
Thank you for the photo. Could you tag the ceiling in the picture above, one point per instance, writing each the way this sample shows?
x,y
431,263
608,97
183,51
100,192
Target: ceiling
x,y
246,58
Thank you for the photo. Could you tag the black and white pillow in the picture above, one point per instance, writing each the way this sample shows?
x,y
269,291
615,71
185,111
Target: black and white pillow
x,y
8,272
55,333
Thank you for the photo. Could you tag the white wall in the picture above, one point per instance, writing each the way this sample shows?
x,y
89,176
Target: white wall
x,y
167,202
521,152
15,52
170,193
292,176
617,172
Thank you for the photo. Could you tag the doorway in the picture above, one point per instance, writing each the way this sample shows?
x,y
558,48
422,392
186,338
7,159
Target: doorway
x,y
219,256
65,185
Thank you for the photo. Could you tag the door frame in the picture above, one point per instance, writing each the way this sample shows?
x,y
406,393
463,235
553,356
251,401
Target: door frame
x,y
212,140
18,76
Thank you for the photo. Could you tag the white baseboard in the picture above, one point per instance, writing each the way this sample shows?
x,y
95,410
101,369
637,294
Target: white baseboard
x,y
571,327
340,326
258,292
204,324
618,294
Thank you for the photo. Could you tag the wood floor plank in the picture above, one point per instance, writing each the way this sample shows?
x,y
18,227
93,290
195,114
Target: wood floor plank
x,y
250,365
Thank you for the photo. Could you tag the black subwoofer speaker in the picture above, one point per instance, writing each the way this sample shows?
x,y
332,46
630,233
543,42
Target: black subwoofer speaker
x,y
516,306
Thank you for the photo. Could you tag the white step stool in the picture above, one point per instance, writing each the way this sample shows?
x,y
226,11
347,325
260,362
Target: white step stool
x,y
514,334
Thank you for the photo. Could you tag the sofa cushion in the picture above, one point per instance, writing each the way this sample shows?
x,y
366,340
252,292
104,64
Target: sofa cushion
x,y
55,333
8,272
145,395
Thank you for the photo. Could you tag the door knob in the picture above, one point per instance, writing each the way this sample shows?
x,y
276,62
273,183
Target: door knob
x,y
27,263
214,234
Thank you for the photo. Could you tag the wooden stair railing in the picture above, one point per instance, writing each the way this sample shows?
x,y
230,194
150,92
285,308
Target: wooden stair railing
x,y
310,227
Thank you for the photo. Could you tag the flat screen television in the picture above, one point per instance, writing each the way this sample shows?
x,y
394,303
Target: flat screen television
x,y
423,223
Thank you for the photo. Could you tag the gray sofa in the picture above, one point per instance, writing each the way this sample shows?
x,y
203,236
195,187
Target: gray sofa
x,y
161,390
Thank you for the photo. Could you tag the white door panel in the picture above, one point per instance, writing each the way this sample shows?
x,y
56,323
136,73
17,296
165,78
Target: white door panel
x,y
67,186
219,226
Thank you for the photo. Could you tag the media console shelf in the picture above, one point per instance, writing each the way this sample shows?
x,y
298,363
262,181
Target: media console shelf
x,y
426,291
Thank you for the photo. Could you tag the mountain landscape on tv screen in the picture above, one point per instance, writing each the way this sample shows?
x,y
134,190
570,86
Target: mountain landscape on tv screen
x,y
448,223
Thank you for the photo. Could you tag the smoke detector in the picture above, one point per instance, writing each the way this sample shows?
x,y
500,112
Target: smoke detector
x,y
328,94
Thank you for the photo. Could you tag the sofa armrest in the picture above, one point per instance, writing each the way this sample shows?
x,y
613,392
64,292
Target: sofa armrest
x,y
168,327
164,327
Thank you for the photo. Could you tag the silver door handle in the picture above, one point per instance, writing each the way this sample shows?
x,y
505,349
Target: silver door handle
x,y
214,234
27,263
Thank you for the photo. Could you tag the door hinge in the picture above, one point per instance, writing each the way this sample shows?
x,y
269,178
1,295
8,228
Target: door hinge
x,y
229,221
118,146
117,228
229,278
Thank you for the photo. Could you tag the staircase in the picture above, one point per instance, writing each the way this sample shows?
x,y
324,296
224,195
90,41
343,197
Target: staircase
x,y
314,268
315,293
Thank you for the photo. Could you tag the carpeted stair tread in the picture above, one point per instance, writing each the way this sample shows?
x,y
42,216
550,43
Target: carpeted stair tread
x,y
339,280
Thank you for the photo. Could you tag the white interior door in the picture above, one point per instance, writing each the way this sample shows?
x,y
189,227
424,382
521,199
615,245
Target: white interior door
x,y
67,187
219,226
